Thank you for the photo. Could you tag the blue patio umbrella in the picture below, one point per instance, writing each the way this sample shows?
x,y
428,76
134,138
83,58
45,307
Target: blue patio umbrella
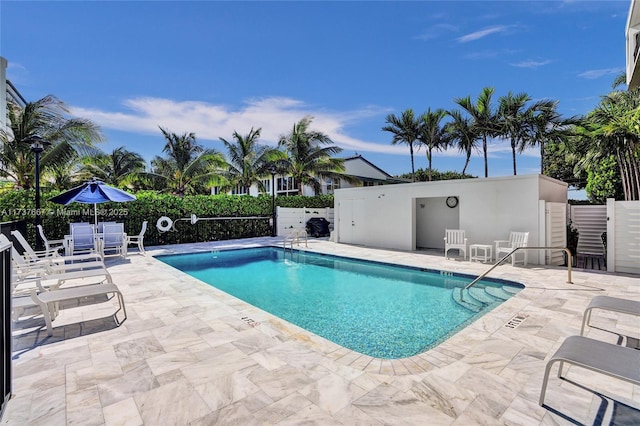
x,y
93,192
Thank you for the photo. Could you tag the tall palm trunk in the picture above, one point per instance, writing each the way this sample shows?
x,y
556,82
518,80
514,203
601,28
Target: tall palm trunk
x,y
513,154
486,158
466,163
413,168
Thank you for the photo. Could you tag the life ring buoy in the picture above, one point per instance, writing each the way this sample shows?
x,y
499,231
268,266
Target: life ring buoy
x,y
164,224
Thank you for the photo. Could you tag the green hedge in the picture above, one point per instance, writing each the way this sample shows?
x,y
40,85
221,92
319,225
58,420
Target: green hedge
x,y
149,206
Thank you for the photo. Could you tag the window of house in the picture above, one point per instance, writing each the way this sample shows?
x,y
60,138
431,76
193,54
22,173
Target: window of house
x,y
239,190
286,186
267,186
332,185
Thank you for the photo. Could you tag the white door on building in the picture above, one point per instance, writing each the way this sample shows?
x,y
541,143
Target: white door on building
x,y
350,221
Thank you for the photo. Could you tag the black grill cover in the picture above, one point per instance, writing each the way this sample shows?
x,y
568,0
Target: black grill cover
x,y
318,227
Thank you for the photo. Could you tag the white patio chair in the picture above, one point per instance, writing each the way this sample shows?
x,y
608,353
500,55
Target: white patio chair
x,y
114,240
102,224
29,253
516,239
50,245
455,239
83,239
138,239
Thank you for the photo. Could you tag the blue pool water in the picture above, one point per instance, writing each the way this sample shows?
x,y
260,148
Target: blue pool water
x,y
377,309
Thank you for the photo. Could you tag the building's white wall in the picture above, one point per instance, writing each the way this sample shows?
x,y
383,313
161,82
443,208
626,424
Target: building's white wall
x,y
632,28
548,188
3,93
488,210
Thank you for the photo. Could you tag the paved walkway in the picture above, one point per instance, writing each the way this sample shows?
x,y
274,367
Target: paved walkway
x,y
190,354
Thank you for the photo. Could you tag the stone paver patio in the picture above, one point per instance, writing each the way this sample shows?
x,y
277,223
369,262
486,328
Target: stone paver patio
x,y
191,354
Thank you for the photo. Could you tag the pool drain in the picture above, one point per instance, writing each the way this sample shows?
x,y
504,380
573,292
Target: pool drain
x,y
250,322
516,321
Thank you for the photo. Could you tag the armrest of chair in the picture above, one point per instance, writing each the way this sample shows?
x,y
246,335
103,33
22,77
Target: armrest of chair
x,y
500,243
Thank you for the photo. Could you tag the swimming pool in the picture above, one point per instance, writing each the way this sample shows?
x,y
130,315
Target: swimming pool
x,y
377,309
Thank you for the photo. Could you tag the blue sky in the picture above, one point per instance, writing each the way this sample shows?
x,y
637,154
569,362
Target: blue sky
x,y
215,67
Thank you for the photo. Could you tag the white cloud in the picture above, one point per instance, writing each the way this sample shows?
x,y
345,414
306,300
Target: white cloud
x,y
275,116
436,31
593,74
482,33
531,64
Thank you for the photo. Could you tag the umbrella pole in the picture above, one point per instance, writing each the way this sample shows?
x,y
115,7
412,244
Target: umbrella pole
x,y
95,214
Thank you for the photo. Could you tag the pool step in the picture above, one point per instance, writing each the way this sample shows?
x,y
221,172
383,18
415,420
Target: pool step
x,y
481,295
510,289
498,293
469,302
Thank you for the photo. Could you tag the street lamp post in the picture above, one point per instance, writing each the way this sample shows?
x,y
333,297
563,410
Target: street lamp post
x,y
37,146
274,228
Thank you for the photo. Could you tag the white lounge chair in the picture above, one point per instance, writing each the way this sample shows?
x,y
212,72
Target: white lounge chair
x,y
55,268
138,239
604,358
29,253
608,303
516,239
31,256
455,239
50,245
48,300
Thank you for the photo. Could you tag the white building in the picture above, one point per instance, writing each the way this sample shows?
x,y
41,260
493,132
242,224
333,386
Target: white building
x,y
3,93
633,46
415,215
357,166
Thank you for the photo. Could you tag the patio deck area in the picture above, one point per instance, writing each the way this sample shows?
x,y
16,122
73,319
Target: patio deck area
x,y
191,354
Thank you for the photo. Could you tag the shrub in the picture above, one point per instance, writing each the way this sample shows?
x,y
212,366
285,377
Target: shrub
x,y
150,206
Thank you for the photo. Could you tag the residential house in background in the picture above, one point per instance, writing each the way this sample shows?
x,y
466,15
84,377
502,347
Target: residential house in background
x,y
357,166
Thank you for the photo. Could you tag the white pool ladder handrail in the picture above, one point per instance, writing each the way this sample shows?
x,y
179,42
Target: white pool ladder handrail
x,y
484,274
294,237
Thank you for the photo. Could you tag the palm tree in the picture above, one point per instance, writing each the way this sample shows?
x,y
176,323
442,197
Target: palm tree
x,y
484,118
310,157
117,168
548,126
463,134
248,162
613,129
433,134
49,119
63,176
514,121
188,168
405,129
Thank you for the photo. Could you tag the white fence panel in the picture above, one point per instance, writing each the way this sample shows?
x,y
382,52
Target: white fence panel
x,y
591,222
556,232
623,236
295,219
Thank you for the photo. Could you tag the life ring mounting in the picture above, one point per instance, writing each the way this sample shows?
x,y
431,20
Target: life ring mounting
x,y
164,224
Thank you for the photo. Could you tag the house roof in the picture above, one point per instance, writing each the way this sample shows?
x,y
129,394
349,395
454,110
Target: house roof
x,y
360,157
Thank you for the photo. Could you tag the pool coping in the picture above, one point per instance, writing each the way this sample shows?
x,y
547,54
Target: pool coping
x,y
438,356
